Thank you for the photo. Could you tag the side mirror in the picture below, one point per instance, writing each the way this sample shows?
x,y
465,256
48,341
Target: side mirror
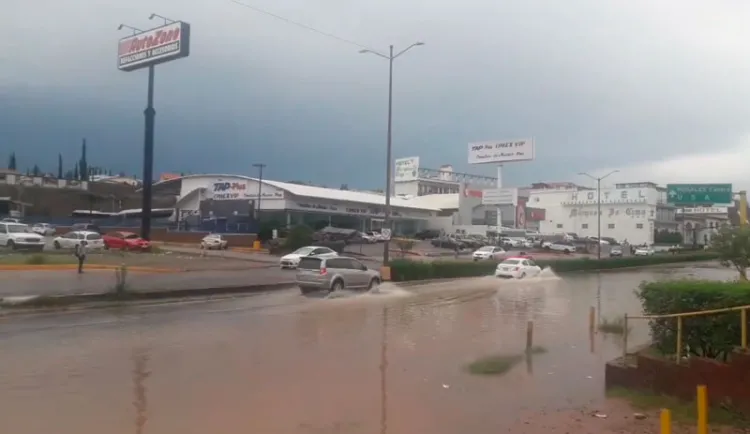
x,y
364,267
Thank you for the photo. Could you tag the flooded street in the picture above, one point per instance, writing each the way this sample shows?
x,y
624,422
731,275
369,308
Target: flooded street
x,y
393,362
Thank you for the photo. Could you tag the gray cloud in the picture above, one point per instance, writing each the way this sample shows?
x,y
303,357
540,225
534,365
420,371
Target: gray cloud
x,y
598,84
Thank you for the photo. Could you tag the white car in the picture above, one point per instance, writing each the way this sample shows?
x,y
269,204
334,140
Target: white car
x,y
19,236
517,268
488,253
563,246
43,229
377,236
214,241
368,238
292,260
70,240
513,242
644,251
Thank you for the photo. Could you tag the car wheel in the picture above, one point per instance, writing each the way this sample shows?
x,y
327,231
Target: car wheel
x,y
338,285
373,284
11,245
522,275
567,251
57,245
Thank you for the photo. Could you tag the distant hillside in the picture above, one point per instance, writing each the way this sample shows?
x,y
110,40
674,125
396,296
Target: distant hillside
x,y
60,202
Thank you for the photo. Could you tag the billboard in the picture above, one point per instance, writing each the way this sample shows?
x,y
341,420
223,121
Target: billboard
x,y
501,151
407,169
159,45
705,210
500,196
699,194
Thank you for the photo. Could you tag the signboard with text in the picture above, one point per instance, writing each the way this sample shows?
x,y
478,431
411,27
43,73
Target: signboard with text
x,y
500,196
704,210
501,151
407,169
699,194
159,45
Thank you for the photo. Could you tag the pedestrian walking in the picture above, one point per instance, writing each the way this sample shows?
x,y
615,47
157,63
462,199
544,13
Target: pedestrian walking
x,y
80,253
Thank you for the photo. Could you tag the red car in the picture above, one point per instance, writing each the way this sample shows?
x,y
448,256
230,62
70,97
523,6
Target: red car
x,y
125,241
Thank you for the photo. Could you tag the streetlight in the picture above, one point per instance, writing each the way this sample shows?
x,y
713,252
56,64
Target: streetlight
x,y
390,57
260,167
598,209
166,20
133,29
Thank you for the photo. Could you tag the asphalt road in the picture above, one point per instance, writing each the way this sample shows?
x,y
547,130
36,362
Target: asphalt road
x,y
283,363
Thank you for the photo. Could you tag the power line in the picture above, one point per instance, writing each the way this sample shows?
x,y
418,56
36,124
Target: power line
x,y
303,26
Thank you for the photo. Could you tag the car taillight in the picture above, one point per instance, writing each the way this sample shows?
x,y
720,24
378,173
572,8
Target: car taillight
x,y
323,271
516,269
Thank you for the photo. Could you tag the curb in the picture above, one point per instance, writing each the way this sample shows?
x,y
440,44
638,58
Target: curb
x,y
34,301
59,267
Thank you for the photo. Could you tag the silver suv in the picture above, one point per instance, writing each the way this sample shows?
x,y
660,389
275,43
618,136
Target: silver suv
x,y
333,274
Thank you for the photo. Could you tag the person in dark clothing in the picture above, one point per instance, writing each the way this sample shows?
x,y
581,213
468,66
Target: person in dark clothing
x,y
81,255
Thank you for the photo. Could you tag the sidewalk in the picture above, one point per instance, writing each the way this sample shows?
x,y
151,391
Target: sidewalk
x,y
28,283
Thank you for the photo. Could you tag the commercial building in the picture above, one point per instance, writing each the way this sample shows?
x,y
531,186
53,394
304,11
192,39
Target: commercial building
x,y
208,196
631,212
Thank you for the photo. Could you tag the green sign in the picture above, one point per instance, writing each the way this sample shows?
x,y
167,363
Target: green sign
x,y
699,194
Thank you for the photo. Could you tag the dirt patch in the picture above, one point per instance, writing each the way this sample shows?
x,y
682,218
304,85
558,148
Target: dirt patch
x,y
614,416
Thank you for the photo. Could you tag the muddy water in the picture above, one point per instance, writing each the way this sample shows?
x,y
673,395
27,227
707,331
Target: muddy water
x,y
282,363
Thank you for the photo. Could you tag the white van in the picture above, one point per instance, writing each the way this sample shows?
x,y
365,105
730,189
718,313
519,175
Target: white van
x,y
19,236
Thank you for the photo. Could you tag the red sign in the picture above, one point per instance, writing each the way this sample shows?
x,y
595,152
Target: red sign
x,y
536,214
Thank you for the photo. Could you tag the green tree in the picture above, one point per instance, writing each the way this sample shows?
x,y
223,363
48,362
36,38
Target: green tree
x,y
83,169
12,161
36,171
59,166
733,247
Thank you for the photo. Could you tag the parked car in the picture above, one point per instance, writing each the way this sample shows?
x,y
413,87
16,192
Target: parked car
x,y
563,246
517,268
488,253
615,251
73,238
293,259
43,229
375,235
367,238
10,220
427,234
89,227
19,236
125,241
315,273
214,242
644,251
448,243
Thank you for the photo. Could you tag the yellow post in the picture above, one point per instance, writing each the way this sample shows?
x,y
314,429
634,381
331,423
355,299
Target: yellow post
x,y
385,273
678,353
666,421
592,319
256,245
743,208
743,327
702,410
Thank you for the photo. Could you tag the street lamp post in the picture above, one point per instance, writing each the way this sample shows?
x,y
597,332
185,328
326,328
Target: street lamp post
x,y
260,167
389,164
598,209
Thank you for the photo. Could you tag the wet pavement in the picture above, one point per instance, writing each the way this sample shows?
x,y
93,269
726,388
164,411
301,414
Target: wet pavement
x,y
283,363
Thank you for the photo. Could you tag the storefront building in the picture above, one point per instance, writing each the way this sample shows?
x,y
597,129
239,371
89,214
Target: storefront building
x,y
207,196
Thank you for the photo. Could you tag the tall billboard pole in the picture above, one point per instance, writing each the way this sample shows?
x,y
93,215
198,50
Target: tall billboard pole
x,y
148,48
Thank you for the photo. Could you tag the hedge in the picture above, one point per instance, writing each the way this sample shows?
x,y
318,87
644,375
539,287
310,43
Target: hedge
x,y
714,336
403,270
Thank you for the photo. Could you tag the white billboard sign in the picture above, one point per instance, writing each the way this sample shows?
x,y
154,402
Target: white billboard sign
x,y
500,196
407,169
704,210
501,151
162,44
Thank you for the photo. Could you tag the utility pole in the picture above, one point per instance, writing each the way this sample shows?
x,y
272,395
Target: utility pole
x,y
598,209
260,167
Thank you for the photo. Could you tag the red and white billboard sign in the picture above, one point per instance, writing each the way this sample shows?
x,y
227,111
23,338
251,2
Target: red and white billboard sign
x,y
162,44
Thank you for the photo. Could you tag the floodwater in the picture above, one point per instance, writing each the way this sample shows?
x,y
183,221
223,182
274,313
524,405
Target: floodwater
x,y
392,362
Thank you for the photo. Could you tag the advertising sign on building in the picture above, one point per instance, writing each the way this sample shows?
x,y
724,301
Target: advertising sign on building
x,y
407,169
500,196
225,190
521,214
704,210
699,194
159,45
501,151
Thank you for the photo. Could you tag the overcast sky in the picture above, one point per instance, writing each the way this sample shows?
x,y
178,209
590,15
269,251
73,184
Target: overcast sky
x,y
657,89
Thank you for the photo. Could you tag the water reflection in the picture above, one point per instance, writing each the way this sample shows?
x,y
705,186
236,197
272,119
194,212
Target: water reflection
x,y
361,365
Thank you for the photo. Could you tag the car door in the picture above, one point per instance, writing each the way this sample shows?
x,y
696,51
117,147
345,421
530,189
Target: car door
x,y
533,268
3,234
357,269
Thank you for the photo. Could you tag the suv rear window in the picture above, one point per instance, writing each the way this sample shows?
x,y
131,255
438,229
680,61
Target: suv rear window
x,y
309,263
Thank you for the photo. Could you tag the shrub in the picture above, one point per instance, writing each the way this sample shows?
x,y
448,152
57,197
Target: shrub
x,y
299,236
404,245
36,259
403,270
713,336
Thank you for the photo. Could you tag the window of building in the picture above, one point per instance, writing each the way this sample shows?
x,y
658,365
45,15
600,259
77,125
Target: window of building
x,y
611,226
585,226
639,226
559,226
